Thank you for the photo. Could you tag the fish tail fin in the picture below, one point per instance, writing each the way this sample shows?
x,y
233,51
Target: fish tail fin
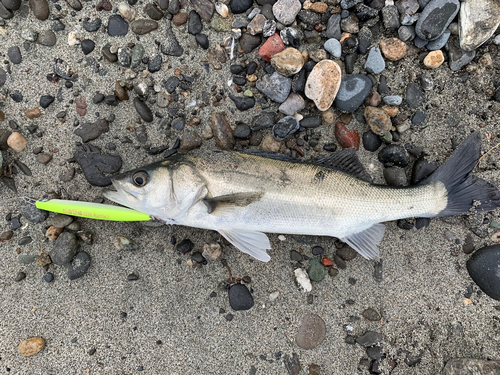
x,y
466,193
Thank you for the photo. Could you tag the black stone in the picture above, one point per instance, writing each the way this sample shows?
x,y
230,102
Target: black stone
x,y
310,122
251,67
353,91
178,123
91,131
299,82
317,250
422,222
242,131
171,84
266,119
404,224
349,61
87,46
483,268
249,42
154,64
153,11
370,338
79,265
64,249
371,141
195,26
185,246
92,26
171,46
202,40
3,77
143,110
95,165
236,69
242,103
422,169
14,54
240,81
435,18
48,277
240,6
414,95
46,100
382,87
419,117
198,257
240,297
117,26
393,155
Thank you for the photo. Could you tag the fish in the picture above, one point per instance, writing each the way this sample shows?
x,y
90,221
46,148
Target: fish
x,y
244,195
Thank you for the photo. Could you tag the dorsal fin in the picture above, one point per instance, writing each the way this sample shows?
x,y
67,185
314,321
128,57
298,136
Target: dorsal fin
x,y
345,161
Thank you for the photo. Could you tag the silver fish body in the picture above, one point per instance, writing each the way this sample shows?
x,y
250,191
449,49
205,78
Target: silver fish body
x,y
242,195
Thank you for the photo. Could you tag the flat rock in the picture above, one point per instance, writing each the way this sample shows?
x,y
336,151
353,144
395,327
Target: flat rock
x,y
312,332
240,297
333,27
483,267
143,26
79,265
333,47
323,84
31,213
96,166
436,17
370,338
287,62
223,134
275,86
414,95
477,22
471,366
285,11
64,249
170,45
375,63
353,91
117,26
457,57
90,131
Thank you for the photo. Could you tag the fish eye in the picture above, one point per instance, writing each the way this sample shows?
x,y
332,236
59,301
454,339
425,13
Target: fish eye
x,y
140,178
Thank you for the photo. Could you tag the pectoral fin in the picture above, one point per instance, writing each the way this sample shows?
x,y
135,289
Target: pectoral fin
x,y
250,242
366,242
231,200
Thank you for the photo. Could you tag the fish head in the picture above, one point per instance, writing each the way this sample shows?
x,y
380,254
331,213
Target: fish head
x,y
165,190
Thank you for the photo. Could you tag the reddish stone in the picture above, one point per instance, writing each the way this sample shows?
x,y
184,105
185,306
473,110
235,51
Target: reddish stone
x,y
81,106
104,5
347,138
271,47
327,262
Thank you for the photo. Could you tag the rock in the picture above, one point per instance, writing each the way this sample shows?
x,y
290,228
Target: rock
x,y
220,24
195,26
393,155
406,33
375,63
293,104
3,77
371,314
275,86
333,47
14,54
457,57
154,65
249,42
240,297
47,38
353,91
270,144
11,4
285,11
153,11
16,142
143,26
370,338
64,249
395,176
205,8
31,346
483,268
434,59
414,95
272,46
333,27
31,213
143,110
380,123
470,366
242,131
92,26
242,103
316,270
312,332
436,17
439,42
390,17
60,221
302,279
477,22
371,141
310,122
240,6
117,26
79,265
40,9
393,49
97,166
75,4
287,62
345,137
323,84
180,19
171,45
285,127
264,120
87,46
393,100
222,132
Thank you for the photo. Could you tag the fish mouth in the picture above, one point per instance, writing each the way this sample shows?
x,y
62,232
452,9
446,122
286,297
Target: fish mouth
x,y
122,196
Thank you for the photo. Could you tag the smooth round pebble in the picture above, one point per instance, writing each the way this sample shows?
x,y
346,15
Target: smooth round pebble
x,y
240,297
312,332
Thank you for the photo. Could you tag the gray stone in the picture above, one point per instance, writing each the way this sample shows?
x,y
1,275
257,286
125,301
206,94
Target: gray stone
x,y
353,91
395,176
436,17
92,26
478,21
440,42
171,45
136,55
333,47
3,77
79,265
457,57
32,214
419,42
275,86
143,26
392,100
414,95
406,33
285,128
293,104
333,27
285,11
64,249
370,338
14,54
390,17
483,268
143,110
11,4
471,366
409,7
375,63
60,221
47,38
117,26
312,332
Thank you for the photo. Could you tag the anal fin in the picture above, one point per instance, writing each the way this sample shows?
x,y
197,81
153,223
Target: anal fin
x,y
366,242
251,242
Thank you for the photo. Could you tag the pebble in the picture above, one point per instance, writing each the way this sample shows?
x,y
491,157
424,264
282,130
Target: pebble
x,y
393,100
31,213
222,9
378,120
52,232
287,62
7,235
264,120
275,86
469,366
20,276
302,279
483,268
478,21
353,91
26,240
40,9
375,63
47,38
32,113
240,297
310,122
117,26
272,46
414,95
153,11
371,141
393,49
185,246
316,270
222,132
293,104
242,131
205,8
406,33
96,166
347,253
171,45
91,131
285,11
93,25
333,47
60,220
79,265
249,42
435,18
395,176
390,17
345,137
14,54
212,251
285,127
370,338
312,332
457,57
333,27
143,26
323,84
195,26
48,277
439,42
64,249
393,155
31,346
16,142
3,77
434,59
143,110
371,314
180,19
242,103
240,6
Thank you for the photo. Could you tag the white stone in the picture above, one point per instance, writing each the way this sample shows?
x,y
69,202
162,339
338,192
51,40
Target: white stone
x,y
478,21
273,296
126,11
303,279
73,38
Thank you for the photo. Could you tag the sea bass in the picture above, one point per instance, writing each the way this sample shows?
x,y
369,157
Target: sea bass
x,y
241,195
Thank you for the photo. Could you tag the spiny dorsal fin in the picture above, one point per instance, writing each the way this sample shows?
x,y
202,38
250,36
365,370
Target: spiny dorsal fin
x,y
345,161
231,200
